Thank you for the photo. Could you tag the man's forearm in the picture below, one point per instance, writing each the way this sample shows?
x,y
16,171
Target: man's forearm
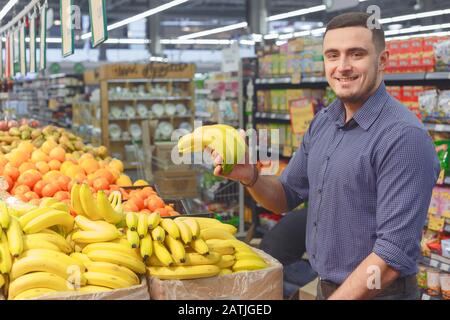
x,y
362,282
269,192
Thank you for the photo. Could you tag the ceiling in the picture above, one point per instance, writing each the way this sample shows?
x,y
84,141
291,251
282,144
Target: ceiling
x,y
197,15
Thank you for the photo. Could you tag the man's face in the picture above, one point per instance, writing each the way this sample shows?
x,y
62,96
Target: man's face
x,y
352,63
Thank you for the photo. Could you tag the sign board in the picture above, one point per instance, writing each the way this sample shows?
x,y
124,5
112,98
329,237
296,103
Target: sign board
x,y
67,33
147,71
99,31
22,51
230,58
33,44
43,39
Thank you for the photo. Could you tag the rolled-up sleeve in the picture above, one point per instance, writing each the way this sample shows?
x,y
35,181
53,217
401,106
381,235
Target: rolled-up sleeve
x,y
407,169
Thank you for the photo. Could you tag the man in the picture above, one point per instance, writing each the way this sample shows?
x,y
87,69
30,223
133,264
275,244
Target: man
x,y
367,167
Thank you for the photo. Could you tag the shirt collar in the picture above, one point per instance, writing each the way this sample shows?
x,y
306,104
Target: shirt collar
x,y
366,115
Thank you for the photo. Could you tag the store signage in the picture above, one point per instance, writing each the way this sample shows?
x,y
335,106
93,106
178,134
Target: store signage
x,y
33,44
1,57
11,54
55,68
78,67
302,113
230,58
67,32
16,51
22,51
43,36
148,71
99,31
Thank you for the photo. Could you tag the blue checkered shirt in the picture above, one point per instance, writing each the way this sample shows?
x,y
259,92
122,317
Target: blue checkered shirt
x,y
368,183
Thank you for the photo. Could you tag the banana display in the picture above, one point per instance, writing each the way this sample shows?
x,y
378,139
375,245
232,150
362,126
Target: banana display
x,y
224,139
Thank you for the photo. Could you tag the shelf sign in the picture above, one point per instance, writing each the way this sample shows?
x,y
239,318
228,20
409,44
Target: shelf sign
x,y
11,55
43,36
33,44
16,55
67,32
99,31
302,113
22,51
1,57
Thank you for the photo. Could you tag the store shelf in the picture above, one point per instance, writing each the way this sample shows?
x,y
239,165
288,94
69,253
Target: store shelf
x,y
274,116
174,98
130,119
438,127
148,80
124,140
436,261
288,80
202,91
428,297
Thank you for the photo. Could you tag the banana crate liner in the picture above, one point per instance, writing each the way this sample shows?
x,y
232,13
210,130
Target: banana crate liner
x,y
265,284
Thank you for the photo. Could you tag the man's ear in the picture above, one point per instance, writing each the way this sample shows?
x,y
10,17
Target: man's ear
x,y
383,60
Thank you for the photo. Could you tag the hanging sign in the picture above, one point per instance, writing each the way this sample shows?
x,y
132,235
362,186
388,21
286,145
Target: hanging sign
x,y
7,55
99,31
22,51
302,113
11,54
1,57
32,44
43,36
16,51
67,33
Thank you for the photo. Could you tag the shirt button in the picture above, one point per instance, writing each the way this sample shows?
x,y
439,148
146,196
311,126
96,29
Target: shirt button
x,y
319,191
328,158
315,224
314,256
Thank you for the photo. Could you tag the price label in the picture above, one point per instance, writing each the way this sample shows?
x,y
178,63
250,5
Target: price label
x,y
444,267
273,115
296,78
425,297
434,263
439,127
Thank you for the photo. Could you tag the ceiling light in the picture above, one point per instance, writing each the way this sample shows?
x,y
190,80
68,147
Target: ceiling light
x,y
235,26
7,7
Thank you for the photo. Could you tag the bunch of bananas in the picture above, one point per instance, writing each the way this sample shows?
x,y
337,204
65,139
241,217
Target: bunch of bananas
x,y
224,139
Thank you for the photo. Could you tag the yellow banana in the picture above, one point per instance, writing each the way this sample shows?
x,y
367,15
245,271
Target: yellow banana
x,y
176,248
110,246
248,264
146,247
114,270
81,258
42,244
56,239
184,272
38,280
220,247
75,201
5,255
158,234
192,259
153,220
199,246
50,231
19,209
49,219
193,226
243,255
162,254
227,261
4,216
142,227
106,280
47,202
2,280
95,236
133,238
205,223
86,224
92,289
30,215
238,245
88,203
53,256
61,206
215,233
185,231
106,210
33,293
132,221
225,271
170,227
14,234
121,259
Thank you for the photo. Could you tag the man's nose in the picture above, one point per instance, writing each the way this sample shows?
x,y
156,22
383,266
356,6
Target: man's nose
x,y
344,65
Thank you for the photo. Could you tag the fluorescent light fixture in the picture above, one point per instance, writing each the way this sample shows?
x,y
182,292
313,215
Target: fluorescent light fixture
x,y
158,59
271,36
418,29
57,22
247,42
280,42
415,16
7,7
419,35
235,26
140,16
196,41
295,13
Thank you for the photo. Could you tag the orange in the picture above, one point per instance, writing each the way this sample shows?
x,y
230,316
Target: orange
x,y
63,183
155,202
30,195
101,184
26,166
9,181
43,167
39,155
174,214
169,208
54,164
50,189
124,181
26,146
104,173
49,145
72,171
163,212
148,191
138,202
38,187
80,177
17,157
11,171
89,165
3,160
35,202
61,195
20,189
58,153
130,206
85,156
140,183
21,197
29,178
145,211
66,165
116,164
52,175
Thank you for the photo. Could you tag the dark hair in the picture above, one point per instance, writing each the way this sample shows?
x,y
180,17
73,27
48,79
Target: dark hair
x,y
358,19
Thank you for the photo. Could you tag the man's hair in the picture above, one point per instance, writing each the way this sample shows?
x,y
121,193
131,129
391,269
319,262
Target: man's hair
x,y
358,19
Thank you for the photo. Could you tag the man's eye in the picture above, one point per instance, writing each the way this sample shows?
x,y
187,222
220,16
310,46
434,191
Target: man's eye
x,y
332,56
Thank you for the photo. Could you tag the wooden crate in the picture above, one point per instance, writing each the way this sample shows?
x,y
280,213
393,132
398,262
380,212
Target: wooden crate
x,y
176,184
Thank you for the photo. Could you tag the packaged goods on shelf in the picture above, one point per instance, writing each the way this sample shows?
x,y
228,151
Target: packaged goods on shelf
x,y
442,55
412,97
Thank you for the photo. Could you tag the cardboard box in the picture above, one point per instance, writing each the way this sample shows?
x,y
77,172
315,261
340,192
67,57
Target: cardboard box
x,y
176,184
266,284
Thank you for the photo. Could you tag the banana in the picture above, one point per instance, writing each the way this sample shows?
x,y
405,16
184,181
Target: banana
x,y
224,139
176,248
142,227
121,259
5,255
153,220
113,199
133,238
50,231
184,272
114,270
14,234
170,227
243,255
86,224
61,206
92,289
199,246
75,201
215,233
4,216
106,280
192,259
220,247
95,236
54,256
47,202
162,254
81,258
132,221
249,264
33,293
38,280
225,271
2,280
56,239
146,247
193,226
88,203
106,210
239,246
185,231
26,218
42,244
158,234
49,219
205,223
110,246
227,261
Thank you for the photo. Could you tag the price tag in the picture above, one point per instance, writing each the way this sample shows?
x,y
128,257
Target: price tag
x,y
272,116
439,127
434,263
444,267
296,78
425,297
287,151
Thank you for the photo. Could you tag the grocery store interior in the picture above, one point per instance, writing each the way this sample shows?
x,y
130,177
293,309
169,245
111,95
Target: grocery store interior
x,y
100,104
